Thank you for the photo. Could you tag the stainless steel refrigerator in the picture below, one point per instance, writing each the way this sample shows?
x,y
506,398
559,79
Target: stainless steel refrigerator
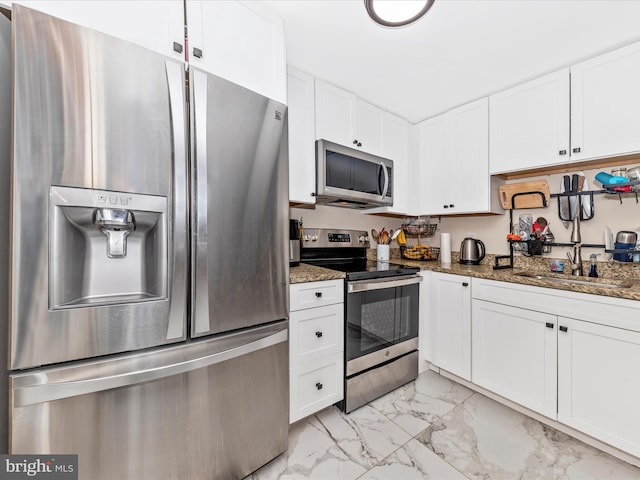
x,y
145,238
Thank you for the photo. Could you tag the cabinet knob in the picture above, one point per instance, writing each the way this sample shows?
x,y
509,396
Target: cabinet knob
x,y
177,47
359,144
549,325
576,150
451,205
318,294
445,206
319,334
197,52
319,386
465,284
563,329
562,152
355,142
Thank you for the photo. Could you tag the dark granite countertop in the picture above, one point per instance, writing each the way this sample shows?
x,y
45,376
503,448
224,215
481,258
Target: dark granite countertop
x,y
308,273
611,273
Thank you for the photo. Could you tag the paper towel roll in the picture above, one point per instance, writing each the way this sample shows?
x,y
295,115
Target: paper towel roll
x,y
445,248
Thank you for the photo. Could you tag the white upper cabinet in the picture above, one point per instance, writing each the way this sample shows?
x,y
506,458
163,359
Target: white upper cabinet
x,y
605,105
529,124
369,132
154,25
335,114
344,119
240,41
432,165
302,159
395,146
452,170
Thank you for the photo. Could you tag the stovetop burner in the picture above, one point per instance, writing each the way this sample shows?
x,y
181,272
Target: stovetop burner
x,y
346,251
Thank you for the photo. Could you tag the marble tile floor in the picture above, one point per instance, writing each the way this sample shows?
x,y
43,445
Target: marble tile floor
x,y
434,428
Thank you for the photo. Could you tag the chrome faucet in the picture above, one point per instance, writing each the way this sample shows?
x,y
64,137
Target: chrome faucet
x,y
576,261
576,239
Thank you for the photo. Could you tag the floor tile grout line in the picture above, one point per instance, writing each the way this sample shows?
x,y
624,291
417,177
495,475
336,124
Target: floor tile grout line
x,y
414,437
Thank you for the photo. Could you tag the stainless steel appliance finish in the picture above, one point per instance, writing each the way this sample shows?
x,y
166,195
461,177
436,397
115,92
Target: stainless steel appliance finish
x,y
378,381
102,363
135,417
79,122
351,178
381,314
294,242
240,193
472,251
5,175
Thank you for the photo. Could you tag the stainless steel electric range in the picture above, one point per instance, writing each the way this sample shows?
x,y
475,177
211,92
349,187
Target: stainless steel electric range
x,y
381,313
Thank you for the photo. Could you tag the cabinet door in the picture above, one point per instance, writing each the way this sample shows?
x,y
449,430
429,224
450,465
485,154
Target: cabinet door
x,y
433,188
241,42
426,315
605,105
598,386
335,114
396,147
449,331
469,166
302,157
529,124
514,354
369,128
154,25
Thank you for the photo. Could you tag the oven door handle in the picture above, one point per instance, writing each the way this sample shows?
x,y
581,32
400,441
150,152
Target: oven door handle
x,y
366,285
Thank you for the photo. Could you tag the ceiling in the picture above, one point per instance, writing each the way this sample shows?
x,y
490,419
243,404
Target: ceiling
x,y
461,51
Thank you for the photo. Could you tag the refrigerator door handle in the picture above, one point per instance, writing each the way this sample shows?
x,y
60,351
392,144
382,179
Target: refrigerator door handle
x,y
30,389
176,327
200,319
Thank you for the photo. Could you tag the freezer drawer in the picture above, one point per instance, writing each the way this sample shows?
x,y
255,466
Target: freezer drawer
x,y
224,402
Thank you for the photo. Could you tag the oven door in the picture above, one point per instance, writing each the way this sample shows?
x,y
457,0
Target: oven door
x,y
382,320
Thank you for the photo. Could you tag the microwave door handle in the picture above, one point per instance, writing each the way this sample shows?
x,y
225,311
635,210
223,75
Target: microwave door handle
x,y
385,188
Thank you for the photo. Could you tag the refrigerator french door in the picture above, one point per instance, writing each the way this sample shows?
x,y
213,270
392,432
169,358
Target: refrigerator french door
x,y
110,221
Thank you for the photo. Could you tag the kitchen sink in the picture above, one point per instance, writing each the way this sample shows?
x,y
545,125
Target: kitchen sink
x,y
594,282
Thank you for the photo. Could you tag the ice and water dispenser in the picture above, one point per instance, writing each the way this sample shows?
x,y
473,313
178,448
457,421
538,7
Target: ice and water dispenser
x,y
106,247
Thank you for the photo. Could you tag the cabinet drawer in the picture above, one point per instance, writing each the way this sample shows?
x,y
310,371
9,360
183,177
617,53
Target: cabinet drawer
x,y
316,294
315,385
315,333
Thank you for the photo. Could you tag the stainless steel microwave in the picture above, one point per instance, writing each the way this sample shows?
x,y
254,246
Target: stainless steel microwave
x,y
347,177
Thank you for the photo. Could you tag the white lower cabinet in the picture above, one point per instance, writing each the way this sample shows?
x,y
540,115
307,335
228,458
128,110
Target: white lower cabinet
x,y
449,327
598,382
316,347
515,354
579,371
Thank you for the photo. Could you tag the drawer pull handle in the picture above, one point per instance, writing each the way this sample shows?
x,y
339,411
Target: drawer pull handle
x,y
319,333
465,284
563,329
576,150
318,294
549,325
319,386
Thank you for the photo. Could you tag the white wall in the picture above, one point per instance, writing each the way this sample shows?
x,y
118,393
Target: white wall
x,y
336,217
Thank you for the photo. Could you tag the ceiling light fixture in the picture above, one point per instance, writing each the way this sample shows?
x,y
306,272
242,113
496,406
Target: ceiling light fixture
x,y
397,13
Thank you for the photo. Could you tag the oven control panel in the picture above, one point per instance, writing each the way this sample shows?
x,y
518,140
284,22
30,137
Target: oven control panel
x,y
331,238
339,238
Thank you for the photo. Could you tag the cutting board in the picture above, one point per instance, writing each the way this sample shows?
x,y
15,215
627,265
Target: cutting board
x,y
524,201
